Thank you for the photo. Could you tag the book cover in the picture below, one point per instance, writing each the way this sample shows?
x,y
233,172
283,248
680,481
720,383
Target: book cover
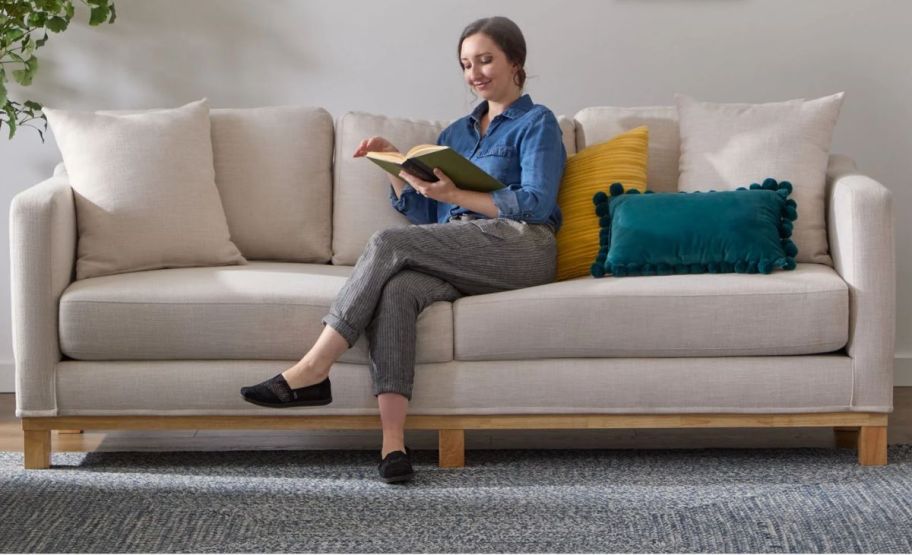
x,y
421,160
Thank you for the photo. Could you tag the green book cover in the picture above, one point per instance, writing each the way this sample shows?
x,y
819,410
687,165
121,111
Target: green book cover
x,y
421,160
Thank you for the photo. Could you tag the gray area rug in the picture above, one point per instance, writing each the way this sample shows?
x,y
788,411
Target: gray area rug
x,y
700,500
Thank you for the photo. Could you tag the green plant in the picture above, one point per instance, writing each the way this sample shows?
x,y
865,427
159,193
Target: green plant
x,y
24,28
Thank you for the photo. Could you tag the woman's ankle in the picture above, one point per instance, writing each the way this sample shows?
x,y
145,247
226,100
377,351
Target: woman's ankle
x,y
304,373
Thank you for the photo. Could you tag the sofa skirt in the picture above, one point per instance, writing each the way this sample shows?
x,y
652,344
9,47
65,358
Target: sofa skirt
x,y
785,384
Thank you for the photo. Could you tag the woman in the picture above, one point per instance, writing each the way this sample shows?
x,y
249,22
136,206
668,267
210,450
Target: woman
x,y
465,242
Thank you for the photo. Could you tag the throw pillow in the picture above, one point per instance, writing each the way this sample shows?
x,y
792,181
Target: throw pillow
x,y
744,231
144,189
622,158
726,145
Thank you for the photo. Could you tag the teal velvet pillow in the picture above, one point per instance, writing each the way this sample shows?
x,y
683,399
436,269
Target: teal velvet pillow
x,y
746,231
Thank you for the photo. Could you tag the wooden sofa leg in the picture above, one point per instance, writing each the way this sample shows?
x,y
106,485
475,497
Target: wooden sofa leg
x,y
37,449
452,448
845,438
872,446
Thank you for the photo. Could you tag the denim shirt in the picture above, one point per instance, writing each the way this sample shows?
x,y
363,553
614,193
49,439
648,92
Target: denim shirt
x,y
523,148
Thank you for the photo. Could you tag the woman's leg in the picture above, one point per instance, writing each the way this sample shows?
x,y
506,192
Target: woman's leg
x,y
476,257
393,407
482,256
392,336
314,367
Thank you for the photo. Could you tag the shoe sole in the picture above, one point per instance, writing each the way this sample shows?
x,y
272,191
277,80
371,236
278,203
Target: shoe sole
x,y
306,403
400,478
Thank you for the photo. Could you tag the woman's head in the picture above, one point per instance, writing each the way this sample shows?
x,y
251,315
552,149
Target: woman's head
x,y
492,53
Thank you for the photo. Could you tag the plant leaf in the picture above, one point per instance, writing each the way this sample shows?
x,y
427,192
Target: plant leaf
x,y
57,24
11,113
99,15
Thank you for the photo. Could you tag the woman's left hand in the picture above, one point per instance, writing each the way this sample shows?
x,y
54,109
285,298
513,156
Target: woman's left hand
x,y
443,190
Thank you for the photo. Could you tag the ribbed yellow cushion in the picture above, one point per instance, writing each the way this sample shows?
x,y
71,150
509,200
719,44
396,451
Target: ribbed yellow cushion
x,y
618,160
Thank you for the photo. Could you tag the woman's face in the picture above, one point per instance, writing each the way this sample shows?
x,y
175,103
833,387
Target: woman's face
x,y
486,68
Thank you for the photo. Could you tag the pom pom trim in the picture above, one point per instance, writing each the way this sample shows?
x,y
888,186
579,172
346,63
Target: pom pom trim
x,y
788,214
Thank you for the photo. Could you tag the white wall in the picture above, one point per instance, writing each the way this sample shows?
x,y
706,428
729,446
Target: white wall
x,y
399,58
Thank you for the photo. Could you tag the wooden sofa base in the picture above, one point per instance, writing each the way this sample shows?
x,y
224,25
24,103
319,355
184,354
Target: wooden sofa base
x,y
865,431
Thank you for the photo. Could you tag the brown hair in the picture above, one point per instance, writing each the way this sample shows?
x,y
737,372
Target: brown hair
x,y
508,37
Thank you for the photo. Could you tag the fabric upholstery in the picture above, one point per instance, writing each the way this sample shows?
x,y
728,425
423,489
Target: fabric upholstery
x,y
42,259
785,313
263,310
600,123
145,190
622,158
861,223
748,385
273,169
724,146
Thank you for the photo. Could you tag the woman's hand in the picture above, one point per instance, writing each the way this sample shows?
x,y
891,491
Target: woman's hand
x,y
443,190
374,144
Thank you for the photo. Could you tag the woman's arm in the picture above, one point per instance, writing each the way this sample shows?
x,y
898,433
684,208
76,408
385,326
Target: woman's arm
x,y
542,157
476,201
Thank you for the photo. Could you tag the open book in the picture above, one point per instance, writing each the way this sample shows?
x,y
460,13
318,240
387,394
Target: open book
x,y
421,160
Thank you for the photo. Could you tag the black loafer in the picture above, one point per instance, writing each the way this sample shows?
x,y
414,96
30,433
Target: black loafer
x,y
397,466
276,393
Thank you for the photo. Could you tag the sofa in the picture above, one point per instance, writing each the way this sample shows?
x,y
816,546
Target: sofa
x,y
169,348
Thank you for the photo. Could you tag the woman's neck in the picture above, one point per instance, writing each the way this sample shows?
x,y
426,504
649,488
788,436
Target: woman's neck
x,y
497,107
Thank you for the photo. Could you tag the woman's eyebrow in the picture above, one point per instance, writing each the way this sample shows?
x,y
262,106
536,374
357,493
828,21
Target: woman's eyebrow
x,y
478,55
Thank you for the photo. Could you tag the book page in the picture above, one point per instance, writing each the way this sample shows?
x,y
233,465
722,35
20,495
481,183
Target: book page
x,y
418,150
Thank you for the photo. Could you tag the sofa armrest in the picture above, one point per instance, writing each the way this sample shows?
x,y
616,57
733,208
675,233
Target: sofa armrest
x,y
42,259
860,228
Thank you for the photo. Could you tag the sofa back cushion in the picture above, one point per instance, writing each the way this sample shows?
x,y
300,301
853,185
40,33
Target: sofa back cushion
x,y
361,190
600,123
273,169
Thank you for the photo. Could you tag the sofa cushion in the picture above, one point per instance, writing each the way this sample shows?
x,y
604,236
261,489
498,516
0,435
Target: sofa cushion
x,y
144,189
600,123
263,310
724,146
273,169
361,190
788,313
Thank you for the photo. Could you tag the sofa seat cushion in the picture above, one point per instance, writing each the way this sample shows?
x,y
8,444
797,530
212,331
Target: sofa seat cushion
x,y
804,311
263,310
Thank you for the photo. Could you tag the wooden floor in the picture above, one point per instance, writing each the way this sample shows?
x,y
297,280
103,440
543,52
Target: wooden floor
x,y
11,438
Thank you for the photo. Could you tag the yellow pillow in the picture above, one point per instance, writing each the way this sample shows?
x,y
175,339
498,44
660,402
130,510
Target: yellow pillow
x,y
593,169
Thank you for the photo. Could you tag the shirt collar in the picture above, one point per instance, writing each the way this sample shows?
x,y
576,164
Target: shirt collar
x,y
519,107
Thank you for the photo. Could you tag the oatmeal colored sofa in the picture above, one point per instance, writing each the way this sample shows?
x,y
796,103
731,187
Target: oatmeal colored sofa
x,y
170,348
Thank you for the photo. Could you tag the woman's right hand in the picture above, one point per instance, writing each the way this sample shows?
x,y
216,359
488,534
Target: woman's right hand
x,y
374,144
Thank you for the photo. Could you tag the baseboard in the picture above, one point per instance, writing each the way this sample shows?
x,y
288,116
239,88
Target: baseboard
x,y
902,371
7,377
902,374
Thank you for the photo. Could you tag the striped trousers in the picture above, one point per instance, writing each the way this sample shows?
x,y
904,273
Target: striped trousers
x,y
403,270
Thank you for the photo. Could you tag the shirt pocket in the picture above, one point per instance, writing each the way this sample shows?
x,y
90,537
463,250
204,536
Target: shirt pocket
x,y
501,161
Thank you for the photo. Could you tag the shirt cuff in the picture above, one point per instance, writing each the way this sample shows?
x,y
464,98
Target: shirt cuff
x,y
399,203
507,203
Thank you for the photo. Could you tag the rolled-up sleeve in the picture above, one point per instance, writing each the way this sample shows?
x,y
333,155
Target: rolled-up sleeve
x,y
542,158
417,208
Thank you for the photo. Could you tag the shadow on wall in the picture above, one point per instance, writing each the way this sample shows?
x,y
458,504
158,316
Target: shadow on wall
x,y
168,52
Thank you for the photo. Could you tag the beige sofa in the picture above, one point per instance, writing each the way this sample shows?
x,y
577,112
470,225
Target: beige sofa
x,y
170,348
